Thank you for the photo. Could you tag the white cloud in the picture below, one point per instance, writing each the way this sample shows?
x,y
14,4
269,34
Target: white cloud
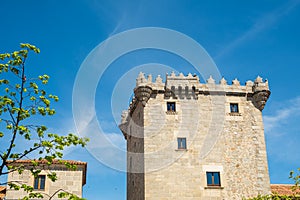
x,y
282,138
263,23
111,139
110,150
107,147
288,109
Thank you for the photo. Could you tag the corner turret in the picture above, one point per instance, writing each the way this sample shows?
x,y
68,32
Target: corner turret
x,y
143,91
261,93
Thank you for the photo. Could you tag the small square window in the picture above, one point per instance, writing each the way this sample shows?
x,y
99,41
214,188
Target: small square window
x,y
181,143
234,108
39,182
213,178
171,106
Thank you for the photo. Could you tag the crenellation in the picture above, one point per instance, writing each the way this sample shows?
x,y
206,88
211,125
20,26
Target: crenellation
x,y
141,80
223,81
180,86
193,80
236,82
211,80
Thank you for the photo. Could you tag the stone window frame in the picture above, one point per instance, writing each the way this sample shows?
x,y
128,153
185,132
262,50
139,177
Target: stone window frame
x,y
40,185
171,107
214,167
234,108
213,179
181,143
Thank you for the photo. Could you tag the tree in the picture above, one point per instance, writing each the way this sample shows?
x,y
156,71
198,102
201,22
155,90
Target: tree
x,y
22,101
295,176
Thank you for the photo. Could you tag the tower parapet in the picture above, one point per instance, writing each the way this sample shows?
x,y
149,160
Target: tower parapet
x,y
180,86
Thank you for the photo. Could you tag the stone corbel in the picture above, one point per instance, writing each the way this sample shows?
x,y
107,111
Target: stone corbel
x,y
260,99
142,94
168,93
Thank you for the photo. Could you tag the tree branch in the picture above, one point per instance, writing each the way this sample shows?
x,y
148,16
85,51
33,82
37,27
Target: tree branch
x,y
18,119
11,115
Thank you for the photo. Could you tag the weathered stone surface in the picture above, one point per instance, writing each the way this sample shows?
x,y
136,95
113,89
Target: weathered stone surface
x,y
217,140
67,180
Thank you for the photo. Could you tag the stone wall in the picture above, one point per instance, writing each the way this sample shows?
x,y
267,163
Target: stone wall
x,y
218,140
135,155
67,180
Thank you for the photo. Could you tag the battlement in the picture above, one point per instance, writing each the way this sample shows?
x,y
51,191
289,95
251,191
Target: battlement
x,y
190,87
192,82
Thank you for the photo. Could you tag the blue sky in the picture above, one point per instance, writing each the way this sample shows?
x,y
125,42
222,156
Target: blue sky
x,y
244,38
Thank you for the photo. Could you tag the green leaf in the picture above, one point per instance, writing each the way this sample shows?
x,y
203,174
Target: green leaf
x,y
9,126
52,176
14,186
21,102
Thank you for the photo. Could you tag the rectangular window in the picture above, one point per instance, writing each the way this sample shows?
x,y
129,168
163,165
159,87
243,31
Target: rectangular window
x,y
181,143
171,106
39,182
213,178
234,108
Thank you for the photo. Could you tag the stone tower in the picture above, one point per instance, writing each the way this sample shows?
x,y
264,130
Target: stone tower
x,y
192,140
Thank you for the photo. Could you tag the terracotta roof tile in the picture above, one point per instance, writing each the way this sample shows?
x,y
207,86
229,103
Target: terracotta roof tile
x,y
2,192
73,162
283,189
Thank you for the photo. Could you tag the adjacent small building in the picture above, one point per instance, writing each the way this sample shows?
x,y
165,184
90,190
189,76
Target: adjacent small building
x,y
285,190
2,192
68,180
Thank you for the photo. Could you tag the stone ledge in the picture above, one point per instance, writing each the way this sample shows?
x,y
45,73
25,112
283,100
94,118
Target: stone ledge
x,y
171,112
214,187
181,149
234,114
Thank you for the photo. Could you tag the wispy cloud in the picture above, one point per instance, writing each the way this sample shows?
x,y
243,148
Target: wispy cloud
x,y
282,138
263,23
108,148
121,15
111,151
282,115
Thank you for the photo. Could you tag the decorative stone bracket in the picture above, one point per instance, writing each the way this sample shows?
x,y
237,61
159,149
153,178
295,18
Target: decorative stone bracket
x,y
142,94
124,123
260,99
261,93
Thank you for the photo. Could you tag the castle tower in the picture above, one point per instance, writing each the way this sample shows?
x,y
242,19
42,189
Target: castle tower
x,y
193,140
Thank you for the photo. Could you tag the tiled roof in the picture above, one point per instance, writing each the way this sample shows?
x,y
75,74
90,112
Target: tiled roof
x,y
283,189
72,162
2,192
